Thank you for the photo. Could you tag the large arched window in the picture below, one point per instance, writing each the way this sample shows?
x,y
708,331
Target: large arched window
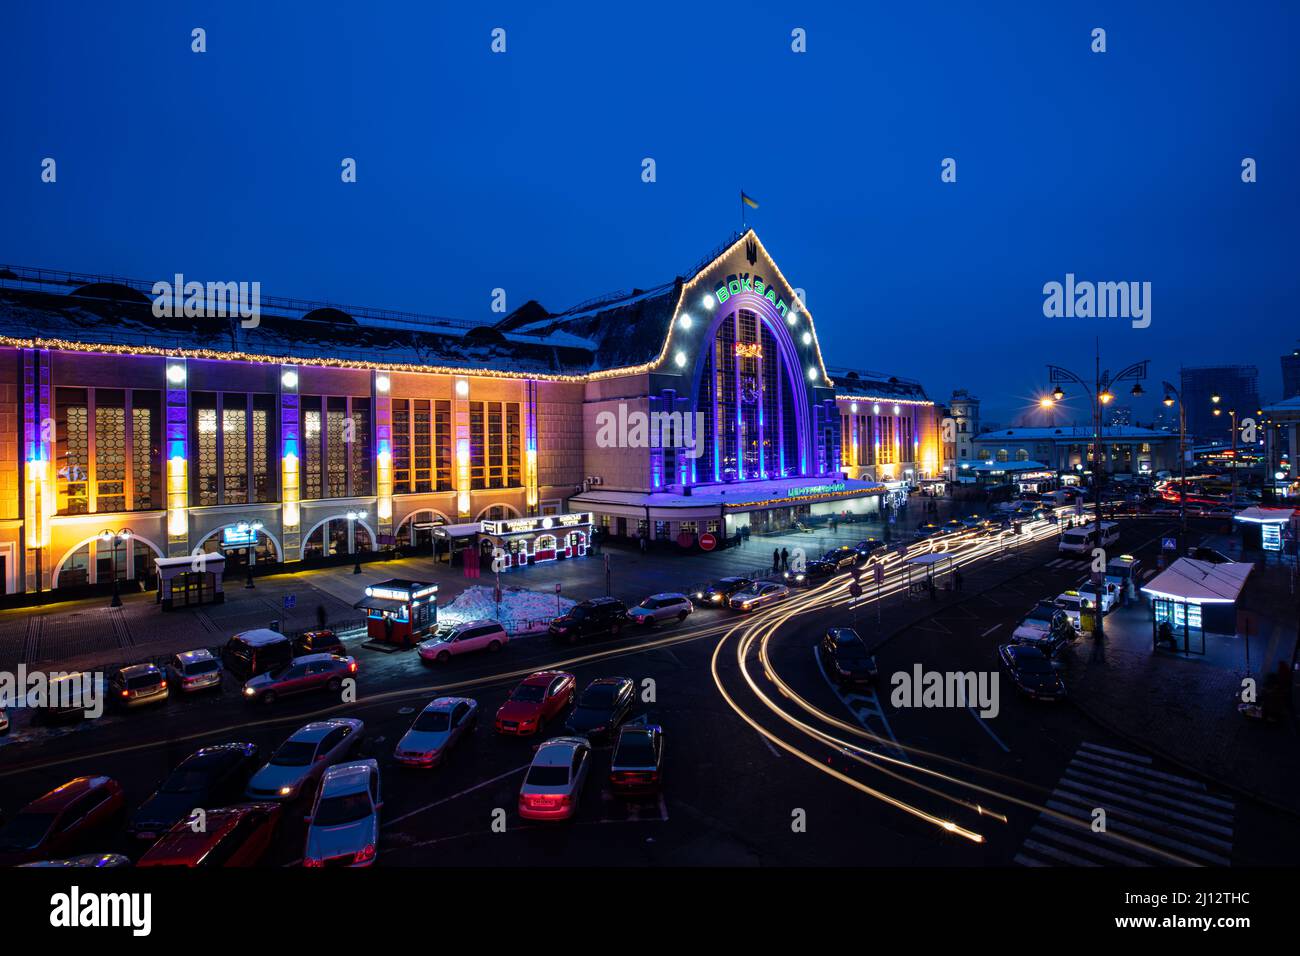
x,y
750,409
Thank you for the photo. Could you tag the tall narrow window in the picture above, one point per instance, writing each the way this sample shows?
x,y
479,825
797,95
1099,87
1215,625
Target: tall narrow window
x,y
477,446
110,451
401,446
422,460
205,442
143,454
262,477
234,448
337,467
311,450
442,445
360,446
514,454
72,451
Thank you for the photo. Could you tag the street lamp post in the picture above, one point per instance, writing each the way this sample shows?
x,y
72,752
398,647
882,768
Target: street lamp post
x,y
1233,413
115,537
1099,396
1173,395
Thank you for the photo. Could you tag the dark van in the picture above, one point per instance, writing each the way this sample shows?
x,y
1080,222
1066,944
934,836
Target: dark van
x,y
250,653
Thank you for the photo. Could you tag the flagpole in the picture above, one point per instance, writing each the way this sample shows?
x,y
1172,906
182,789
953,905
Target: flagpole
x,y
742,212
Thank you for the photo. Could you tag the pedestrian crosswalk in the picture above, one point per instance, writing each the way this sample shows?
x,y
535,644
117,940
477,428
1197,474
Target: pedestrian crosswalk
x,y
1151,817
1077,564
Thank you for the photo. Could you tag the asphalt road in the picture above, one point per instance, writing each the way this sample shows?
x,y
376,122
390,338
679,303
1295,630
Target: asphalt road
x,y
765,761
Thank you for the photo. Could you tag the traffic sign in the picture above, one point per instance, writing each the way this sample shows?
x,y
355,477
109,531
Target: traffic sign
x,y
708,541
1169,544
290,602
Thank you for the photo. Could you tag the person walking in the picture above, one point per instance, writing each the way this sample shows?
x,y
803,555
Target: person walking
x,y
643,543
776,560
956,580
785,559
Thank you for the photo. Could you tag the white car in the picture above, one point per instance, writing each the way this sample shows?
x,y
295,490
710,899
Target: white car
x,y
442,724
553,785
462,639
343,828
1085,598
758,595
657,608
304,757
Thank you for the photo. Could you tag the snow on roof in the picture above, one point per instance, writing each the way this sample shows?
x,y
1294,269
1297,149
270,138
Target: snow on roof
x,y
1200,582
1069,433
735,494
1258,515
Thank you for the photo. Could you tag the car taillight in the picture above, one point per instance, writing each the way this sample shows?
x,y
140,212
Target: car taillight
x,y
313,863
126,693
366,853
352,668
163,685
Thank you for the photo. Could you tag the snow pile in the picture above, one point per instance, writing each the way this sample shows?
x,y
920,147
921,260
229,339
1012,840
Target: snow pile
x,y
522,611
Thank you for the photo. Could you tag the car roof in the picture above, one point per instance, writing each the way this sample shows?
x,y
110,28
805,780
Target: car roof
x,y
193,657
65,793
843,634
544,677
181,842
315,658
1023,650
557,752
609,680
350,777
313,732
478,622
446,703
135,670
666,595
260,637
220,752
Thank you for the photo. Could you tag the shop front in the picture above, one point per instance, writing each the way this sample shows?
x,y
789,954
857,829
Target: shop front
x,y
517,542
190,580
400,612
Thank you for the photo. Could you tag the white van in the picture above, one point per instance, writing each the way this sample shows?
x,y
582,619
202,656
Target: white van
x,y
1083,539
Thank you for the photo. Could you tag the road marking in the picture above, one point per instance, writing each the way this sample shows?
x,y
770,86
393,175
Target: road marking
x,y
436,803
871,704
987,729
991,630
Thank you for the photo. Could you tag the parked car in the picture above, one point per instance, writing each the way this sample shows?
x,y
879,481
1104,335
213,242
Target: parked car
x,y
210,777
4,723
92,861
927,531
758,595
972,522
843,557
138,685
636,765
719,593
319,642
1046,627
300,675
62,821
953,525
193,671
553,785
845,657
299,762
598,617
536,701
450,640
444,723
658,608
343,827
233,836
814,572
68,698
1074,603
601,708
1031,671
254,652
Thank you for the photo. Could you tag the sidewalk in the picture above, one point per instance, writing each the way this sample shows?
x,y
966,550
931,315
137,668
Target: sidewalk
x,y
1184,706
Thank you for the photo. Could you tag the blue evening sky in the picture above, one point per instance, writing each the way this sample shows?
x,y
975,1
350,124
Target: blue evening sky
x,y
523,170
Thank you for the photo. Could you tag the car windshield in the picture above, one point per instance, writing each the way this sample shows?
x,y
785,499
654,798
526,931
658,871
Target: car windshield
x,y
635,750
336,811
1033,664
294,753
598,696
649,604
529,693
25,831
547,776
1041,614
853,656
201,667
432,721
143,680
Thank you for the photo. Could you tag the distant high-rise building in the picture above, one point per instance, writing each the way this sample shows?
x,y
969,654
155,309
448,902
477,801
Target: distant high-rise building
x,y
1291,374
1237,387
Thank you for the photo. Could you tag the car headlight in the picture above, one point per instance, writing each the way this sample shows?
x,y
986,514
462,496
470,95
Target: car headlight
x,y
285,791
249,692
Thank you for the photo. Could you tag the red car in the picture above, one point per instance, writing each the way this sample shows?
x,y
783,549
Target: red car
x,y
538,699
234,836
56,824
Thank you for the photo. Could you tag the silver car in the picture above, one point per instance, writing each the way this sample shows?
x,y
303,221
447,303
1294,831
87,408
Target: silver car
x,y
303,758
442,724
192,671
658,608
758,595
553,785
343,828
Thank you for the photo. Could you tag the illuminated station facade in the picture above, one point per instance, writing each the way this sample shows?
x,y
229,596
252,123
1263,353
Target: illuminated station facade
x,y
685,413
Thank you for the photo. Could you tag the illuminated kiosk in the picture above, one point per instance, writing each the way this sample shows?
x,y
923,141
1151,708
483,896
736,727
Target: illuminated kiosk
x,y
399,612
1272,524
522,541
189,580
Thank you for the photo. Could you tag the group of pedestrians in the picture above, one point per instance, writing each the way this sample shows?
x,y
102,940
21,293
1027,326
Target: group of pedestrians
x,y
780,560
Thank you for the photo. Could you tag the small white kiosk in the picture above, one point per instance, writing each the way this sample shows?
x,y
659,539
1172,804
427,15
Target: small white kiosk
x,y
190,580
